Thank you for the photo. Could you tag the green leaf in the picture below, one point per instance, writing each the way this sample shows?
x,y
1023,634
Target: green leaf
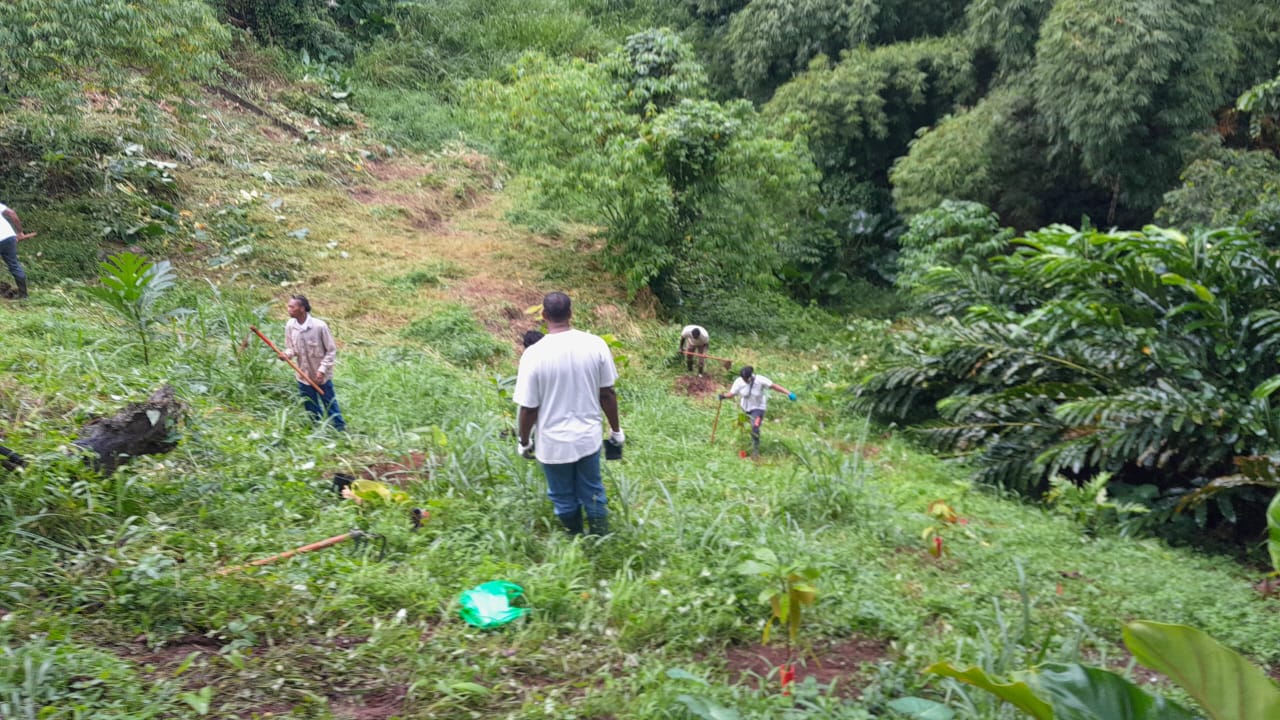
x,y
1080,692
1224,684
682,674
1267,387
1273,531
198,701
921,709
752,567
708,709
766,556
1016,693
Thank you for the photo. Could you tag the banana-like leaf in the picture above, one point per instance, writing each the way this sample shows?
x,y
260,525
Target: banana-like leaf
x,y
1017,693
1080,692
1224,684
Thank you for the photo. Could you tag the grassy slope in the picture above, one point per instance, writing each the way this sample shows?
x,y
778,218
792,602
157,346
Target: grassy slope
x,y
112,578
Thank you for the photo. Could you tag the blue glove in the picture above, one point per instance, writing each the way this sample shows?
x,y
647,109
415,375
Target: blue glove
x,y
791,396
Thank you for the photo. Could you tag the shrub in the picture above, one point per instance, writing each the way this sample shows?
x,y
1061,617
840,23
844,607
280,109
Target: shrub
x,y
454,333
1147,354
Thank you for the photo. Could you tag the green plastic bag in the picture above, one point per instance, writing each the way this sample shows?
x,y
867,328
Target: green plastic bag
x,y
488,605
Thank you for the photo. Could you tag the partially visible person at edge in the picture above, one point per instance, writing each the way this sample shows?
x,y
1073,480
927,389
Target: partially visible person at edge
x,y
694,339
564,383
10,235
309,343
750,387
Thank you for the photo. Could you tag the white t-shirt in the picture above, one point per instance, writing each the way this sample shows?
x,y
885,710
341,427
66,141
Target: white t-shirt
x,y
6,230
561,375
753,394
687,334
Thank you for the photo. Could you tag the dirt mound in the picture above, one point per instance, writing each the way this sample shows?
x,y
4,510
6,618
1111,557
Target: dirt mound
x,y
696,385
838,661
398,472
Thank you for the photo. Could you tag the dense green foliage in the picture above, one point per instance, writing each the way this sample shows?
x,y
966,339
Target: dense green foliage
x,y
695,196
1228,187
1147,354
48,48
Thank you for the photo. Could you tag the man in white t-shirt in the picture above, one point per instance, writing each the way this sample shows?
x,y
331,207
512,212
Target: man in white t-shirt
x,y
694,339
751,388
10,235
564,384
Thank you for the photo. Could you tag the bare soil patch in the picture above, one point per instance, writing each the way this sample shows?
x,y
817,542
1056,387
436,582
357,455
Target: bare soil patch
x,y
378,704
838,661
696,385
400,472
171,654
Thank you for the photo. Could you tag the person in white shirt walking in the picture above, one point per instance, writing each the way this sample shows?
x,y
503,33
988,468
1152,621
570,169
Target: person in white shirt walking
x,y
10,235
564,384
694,339
309,343
751,389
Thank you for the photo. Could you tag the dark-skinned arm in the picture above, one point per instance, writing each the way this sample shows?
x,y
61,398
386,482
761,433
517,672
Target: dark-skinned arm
x,y
609,404
12,217
528,417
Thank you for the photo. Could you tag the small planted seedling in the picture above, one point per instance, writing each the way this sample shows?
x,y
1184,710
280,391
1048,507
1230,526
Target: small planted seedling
x,y
790,587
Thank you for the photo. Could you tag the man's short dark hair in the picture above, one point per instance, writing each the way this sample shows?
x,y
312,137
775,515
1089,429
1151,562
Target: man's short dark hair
x,y
530,337
303,301
696,333
557,307
747,372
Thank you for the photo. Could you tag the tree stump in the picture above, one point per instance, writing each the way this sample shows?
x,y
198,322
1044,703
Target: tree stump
x,y
140,429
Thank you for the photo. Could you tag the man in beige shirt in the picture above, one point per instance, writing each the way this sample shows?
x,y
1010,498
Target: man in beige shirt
x,y
694,339
309,343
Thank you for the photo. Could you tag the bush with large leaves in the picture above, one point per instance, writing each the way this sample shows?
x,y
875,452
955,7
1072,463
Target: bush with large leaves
x,y
1137,353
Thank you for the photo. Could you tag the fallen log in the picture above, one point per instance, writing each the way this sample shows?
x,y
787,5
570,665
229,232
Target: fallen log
x,y
147,428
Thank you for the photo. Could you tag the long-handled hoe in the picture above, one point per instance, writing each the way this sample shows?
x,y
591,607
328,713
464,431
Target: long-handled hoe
x,y
727,362
357,535
285,358
716,422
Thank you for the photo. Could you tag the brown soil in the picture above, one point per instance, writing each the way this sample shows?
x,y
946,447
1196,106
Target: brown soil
x,y
389,170
696,385
838,661
419,212
171,654
8,291
375,705
398,472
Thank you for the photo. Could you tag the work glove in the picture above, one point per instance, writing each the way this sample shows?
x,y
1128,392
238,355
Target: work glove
x,y
526,451
617,438
791,396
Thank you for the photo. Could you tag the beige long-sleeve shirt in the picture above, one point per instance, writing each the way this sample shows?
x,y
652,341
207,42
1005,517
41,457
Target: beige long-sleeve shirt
x,y
310,344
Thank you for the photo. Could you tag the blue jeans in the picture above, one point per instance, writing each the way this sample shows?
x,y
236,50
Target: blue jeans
x,y
9,253
318,405
577,485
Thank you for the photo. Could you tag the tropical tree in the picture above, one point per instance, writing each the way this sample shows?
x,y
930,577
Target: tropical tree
x,y
693,194
1125,85
1148,354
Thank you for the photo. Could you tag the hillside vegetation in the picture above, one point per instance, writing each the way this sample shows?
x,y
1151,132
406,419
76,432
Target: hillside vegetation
x,y
424,173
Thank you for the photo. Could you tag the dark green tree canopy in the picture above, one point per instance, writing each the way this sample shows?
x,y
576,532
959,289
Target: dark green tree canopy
x,y
1124,86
